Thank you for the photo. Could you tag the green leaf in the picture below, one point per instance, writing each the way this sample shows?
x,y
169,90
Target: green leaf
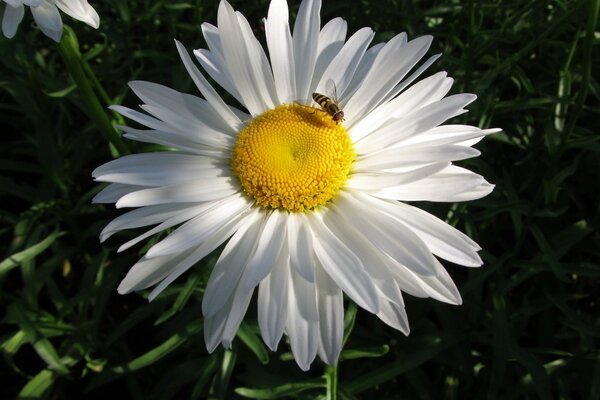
x,y
392,370
349,320
42,346
254,343
289,389
148,358
368,352
28,254
38,386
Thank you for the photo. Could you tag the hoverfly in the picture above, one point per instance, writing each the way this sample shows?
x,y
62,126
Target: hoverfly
x,y
328,104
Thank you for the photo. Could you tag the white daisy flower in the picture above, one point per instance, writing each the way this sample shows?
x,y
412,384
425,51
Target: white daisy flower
x,y
309,208
46,15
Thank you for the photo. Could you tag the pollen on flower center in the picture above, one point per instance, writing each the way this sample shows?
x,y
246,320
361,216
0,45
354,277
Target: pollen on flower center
x,y
292,157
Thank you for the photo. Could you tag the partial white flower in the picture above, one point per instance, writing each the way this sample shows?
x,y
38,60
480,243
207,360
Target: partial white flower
x,y
46,15
309,209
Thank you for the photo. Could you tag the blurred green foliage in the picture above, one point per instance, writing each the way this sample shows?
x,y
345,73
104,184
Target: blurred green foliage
x,y
529,324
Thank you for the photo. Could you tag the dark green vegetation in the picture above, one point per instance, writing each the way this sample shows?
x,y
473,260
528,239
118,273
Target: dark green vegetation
x,y
529,324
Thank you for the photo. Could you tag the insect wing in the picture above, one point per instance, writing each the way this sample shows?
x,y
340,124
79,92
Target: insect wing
x,y
331,91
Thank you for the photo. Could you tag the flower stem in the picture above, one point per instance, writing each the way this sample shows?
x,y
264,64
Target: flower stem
x,y
331,377
69,50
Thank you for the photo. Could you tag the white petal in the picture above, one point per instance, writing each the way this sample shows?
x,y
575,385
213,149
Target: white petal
x,y
196,111
424,92
235,314
331,41
342,68
144,216
113,192
222,326
418,121
413,156
281,50
343,266
174,141
375,262
220,236
451,184
48,19
245,60
439,287
405,83
80,10
147,272
207,189
305,41
213,328
377,181
176,219
215,67
271,240
201,227
381,79
463,135
390,236
273,302
300,246
158,169
141,118
442,239
30,3
231,263
302,320
11,19
228,117
359,76
394,315
330,305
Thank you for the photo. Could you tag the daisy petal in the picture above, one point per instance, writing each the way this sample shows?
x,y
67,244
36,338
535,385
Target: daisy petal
x,y
451,184
201,227
427,91
146,272
302,320
422,120
330,305
442,239
158,169
395,239
344,267
342,67
394,315
273,302
305,40
245,60
11,19
230,120
198,190
381,79
270,243
300,246
411,156
281,51
231,263
143,217
48,19
195,111
331,41
113,192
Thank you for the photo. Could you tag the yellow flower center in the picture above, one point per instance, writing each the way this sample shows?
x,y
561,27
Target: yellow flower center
x,y
293,157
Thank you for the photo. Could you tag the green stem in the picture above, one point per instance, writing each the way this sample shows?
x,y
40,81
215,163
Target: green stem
x,y
331,377
69,50
586,64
